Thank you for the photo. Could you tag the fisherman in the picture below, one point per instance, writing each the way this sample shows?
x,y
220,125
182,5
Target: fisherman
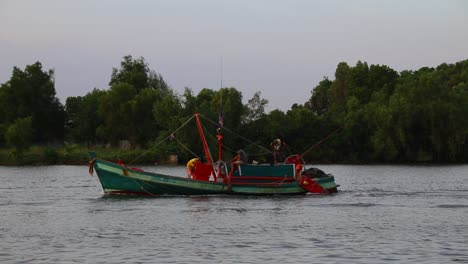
x,y
242,156
277,149
191,167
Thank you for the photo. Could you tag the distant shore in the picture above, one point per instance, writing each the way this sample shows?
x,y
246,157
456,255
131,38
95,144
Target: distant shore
x,y
78,155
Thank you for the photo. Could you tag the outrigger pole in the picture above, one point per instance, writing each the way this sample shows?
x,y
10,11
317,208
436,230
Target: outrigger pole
x,y
202,136
320,142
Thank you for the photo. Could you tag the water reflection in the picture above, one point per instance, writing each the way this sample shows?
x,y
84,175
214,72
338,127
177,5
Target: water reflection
x,y
58,214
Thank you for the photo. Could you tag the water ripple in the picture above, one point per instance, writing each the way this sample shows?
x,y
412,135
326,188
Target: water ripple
x,y
451,206
384,214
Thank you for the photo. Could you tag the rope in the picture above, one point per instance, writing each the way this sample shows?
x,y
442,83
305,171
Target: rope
x,y
230,149
227,129
142,188
90,166
259,154
185,147
160,142
213,140
320,142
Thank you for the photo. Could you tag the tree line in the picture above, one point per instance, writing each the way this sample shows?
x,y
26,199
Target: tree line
x,y
381,115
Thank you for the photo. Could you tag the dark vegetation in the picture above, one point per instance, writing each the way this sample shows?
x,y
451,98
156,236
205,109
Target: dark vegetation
x,y
384,116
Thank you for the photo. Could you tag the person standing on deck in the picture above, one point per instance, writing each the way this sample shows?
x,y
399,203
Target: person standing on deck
x,y
191,167
277,147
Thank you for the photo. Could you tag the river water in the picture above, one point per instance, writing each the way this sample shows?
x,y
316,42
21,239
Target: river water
x,y
382,214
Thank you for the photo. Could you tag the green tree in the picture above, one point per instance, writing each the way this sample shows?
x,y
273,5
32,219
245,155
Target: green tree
x,y
204,104
137,73
20,133
143,125
255,108
83,117
276,125
73,106
127,109
167,110
358,81
32,93
412,116
381,77
339,90
319,102
189,102
229,102
115,110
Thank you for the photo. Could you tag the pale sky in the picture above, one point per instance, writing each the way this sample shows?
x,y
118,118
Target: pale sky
x,y
281,48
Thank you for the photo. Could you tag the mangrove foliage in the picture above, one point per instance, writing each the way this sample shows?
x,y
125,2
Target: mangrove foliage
x,y
377,114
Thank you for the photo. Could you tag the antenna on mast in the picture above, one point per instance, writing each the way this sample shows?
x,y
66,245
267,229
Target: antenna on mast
x,y
221,87
220,117
219,135
221,72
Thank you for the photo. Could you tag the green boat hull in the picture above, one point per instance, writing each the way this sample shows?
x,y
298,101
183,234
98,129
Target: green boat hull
x,y
119,179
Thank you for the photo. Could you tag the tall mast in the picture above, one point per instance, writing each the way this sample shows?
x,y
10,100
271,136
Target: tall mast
x,y
219,135
221,93
221,73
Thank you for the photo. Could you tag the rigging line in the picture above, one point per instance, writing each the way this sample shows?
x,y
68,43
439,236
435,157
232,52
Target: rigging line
x,y
186,122
289,150
321,141
185,147
258,154
142,188
213,141
160,142
227,129
250,144
230,149
160,186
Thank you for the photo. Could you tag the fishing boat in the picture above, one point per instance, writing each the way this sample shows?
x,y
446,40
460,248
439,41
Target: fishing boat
x,y
207,177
